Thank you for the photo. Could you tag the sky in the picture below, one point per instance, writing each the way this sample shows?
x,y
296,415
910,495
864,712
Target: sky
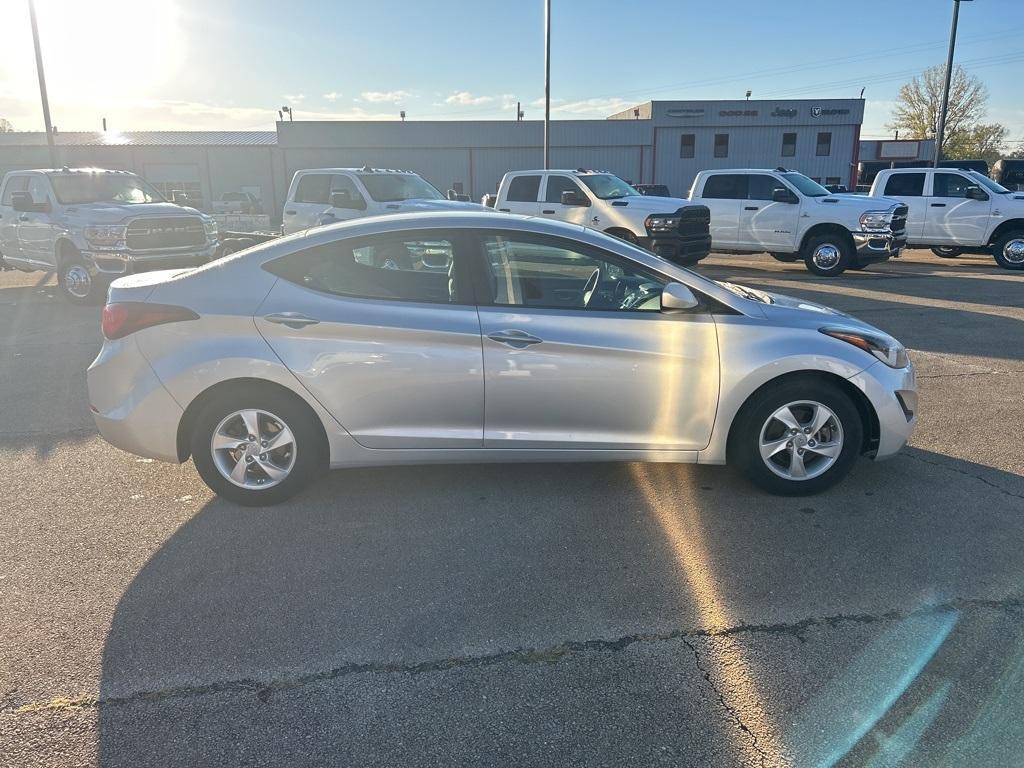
x,y
231,64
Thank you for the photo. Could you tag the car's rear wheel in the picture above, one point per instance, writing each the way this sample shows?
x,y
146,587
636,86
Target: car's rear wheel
x,y
797,438
787,258
947,251
827,255
257,448
1009,250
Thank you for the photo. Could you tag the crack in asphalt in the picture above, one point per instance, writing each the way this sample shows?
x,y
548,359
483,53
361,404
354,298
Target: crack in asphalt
x,y
989,483
264,689
969,373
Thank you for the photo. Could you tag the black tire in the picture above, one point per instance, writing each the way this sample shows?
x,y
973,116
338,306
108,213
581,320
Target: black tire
x,y
816,257
787,258
310,448
1008,250
947,251
622,234
856,266
745,437
78,284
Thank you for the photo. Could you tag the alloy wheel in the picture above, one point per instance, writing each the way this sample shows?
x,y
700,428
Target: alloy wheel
x,y
826,256
1013,250
253,449
801,440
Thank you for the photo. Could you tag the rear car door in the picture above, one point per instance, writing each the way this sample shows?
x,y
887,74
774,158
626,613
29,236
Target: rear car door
x,y
909,188
765,224
386,341
551,207
312,197
612,373
522,195
952,217
9,245
725,194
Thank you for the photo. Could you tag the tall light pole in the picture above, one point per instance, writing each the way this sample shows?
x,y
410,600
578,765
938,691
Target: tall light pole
x,y
940,130
42,84
547,84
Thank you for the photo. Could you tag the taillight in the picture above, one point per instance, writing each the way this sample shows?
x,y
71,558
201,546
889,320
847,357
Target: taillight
x,y
123,318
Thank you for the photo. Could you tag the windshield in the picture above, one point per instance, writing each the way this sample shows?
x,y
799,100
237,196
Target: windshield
x,y
393,188
807,186
607,187
986,182
83,188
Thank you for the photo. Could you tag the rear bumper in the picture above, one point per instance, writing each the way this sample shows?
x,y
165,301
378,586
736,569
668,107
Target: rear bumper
x,y
878,246
683,249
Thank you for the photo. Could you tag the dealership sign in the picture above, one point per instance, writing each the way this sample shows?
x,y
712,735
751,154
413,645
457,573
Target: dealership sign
x,y
783,112
738,113
820,112
685,112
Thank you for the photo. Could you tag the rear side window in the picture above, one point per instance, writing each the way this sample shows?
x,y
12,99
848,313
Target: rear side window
x,y
400,267
523,189
14,184
905,185
314,188
557,185
726,186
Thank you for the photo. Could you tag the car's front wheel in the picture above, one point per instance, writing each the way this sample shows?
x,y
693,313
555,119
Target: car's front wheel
x,y
827,255
259,448
797,437
78,283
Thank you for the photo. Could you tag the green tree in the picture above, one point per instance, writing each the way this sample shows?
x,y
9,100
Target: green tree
x,y
5,125
966,137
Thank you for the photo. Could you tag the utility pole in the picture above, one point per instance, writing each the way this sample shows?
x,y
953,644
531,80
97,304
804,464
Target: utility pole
x,y
940,131
42,84
547,84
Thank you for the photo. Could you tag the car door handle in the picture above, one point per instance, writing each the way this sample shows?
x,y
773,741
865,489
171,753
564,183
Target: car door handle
x,y
291,319
505,210
548,210
938,205
517,339
750,208
289,213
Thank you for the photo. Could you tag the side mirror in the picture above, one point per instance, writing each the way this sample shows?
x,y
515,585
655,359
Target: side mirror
x,y
783,195
457,196
569,197
976,193
676,297
342,198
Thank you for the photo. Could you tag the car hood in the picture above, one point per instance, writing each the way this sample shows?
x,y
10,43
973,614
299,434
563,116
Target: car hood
x,y
792,311
853,202
113,213
648,203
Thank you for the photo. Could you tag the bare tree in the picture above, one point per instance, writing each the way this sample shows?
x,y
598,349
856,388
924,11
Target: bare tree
x,y
5,125
917,114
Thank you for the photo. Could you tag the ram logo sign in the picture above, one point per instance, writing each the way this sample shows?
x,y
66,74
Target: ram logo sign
x,y
819,112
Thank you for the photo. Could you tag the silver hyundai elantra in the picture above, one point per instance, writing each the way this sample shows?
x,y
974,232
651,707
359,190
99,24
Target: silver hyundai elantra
x,y
469,337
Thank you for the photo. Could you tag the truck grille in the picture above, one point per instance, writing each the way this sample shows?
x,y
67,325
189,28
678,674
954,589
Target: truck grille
x,y
694,220
899,218
165,232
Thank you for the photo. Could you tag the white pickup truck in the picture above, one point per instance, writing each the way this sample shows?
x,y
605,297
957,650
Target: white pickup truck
x,y
326,195
793,217
954,211
672,228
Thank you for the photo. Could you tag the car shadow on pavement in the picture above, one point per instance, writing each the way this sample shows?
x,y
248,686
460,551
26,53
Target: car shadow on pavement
x,y
867,620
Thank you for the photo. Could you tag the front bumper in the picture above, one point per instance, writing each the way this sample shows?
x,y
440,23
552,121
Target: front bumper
x,y
118,263
878,246
680,249
893,394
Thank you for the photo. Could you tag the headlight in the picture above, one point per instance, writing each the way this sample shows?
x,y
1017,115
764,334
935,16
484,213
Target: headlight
x,y
210,227
662,222
875,221
880,345
106,235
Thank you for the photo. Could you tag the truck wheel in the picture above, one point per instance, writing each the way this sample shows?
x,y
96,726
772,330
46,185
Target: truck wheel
x,y
787,258
1009,250
622,234
947,251
827,255
78,284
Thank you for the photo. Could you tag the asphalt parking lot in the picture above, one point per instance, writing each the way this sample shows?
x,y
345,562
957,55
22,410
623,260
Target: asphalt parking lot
x,y
596,615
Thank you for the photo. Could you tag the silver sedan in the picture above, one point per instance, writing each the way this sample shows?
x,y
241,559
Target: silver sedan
x,y
443,337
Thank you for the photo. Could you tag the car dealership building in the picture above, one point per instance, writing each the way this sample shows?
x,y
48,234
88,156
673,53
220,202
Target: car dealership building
x,y
664,142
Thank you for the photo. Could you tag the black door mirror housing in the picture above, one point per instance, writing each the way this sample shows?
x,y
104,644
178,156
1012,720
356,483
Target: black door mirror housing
x,y
976,193
22,202
783,195
342,198
569,197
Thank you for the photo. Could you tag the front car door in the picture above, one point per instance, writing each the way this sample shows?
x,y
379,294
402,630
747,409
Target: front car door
x,y
725,194
35,229
384,339
952,217
578,355
551,207
9,245
908,188
765,224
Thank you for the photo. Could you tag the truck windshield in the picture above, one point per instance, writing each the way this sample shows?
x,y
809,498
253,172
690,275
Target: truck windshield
x,y
986,182
807,186
81,188
607,187
395,187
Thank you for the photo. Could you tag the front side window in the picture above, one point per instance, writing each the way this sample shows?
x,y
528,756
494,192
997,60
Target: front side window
x,y
557,185
523,189
342,183
14,184
721,145
763,186
789,145
551,273
951,185
38,190
395,187
400,267
314,188
905,185
726,186
824,148
605,186
83,188
687,145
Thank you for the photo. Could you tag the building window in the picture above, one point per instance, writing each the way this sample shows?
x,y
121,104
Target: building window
x,y
832,181
788,144
721,145
824,144
687,144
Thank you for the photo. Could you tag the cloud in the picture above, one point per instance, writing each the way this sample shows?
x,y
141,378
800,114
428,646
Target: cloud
x,y
467,99
602,107
508,100
296,99
332,96
378,97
